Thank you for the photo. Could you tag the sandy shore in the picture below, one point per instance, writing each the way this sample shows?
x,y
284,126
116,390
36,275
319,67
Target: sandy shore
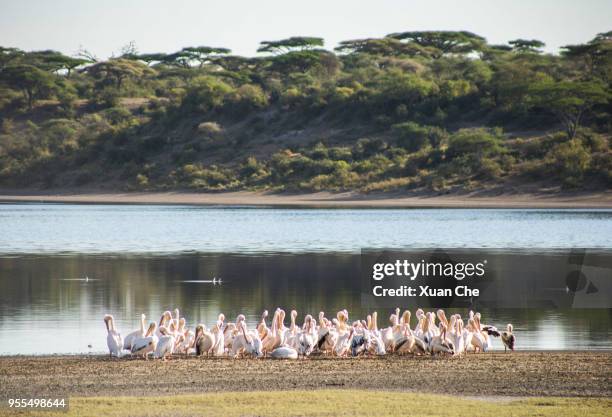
x,y
323,199
519,374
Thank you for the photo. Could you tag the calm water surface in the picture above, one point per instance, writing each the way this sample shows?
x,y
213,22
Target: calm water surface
x,y
38,228
139,259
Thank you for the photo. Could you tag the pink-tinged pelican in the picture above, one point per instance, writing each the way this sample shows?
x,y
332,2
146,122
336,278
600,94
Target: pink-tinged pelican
x,y
166,344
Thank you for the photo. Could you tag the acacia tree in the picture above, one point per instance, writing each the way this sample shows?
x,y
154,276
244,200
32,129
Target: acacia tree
x,y
446,42
9,56
302,61
295,43
199,54
54,61
383,47
33,82
596,54
533,46
115,71
568,100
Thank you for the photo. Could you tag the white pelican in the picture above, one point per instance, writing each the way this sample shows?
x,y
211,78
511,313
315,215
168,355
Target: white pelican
x,y
459,339
343,345
327,336
440,344
147,344
129,339
306,339
166,344
246,342
165,318
113,338
284,352
218,348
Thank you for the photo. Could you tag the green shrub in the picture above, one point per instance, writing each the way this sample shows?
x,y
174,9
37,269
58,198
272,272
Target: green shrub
x,y
107,97
117,115
247,97
410,135
210,128
570,161
480,142
206,93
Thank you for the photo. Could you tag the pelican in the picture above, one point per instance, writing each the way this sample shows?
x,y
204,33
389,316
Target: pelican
x,y
326,336
343,345
273,338
113,338
306,339
218,348
166,344
440,344
284,352
129,339
247,342
508,338
262,328
163,320
204,340
147,344
458,336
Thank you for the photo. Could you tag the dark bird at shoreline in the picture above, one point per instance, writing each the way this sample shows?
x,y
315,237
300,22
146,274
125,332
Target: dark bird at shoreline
x,y
508,338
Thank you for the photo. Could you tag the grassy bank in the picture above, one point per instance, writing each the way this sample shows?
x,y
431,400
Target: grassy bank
x,y
327,403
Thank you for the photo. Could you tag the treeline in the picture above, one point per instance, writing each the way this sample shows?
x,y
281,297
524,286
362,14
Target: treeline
x,y
414,110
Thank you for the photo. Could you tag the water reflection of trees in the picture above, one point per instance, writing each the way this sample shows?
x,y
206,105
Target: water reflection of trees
x,y
33,286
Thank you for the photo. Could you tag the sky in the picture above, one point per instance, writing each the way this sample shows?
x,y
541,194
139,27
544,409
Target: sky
x,y
103,27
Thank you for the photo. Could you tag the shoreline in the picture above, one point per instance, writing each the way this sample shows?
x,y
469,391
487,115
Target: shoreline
x,y
600,200
517,374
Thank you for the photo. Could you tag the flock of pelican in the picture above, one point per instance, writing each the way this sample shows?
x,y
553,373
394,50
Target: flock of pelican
x,y
433,334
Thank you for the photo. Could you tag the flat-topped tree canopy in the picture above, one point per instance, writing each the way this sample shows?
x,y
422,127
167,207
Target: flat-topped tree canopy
x,y
46,60
447,42
383,47
290,44
115,71
527,45
303,60
56,61
198,54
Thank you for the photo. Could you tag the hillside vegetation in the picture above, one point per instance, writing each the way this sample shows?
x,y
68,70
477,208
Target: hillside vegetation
x,y
420,111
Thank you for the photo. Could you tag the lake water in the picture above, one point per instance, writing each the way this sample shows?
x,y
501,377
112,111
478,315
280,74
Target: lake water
x,y
144,259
